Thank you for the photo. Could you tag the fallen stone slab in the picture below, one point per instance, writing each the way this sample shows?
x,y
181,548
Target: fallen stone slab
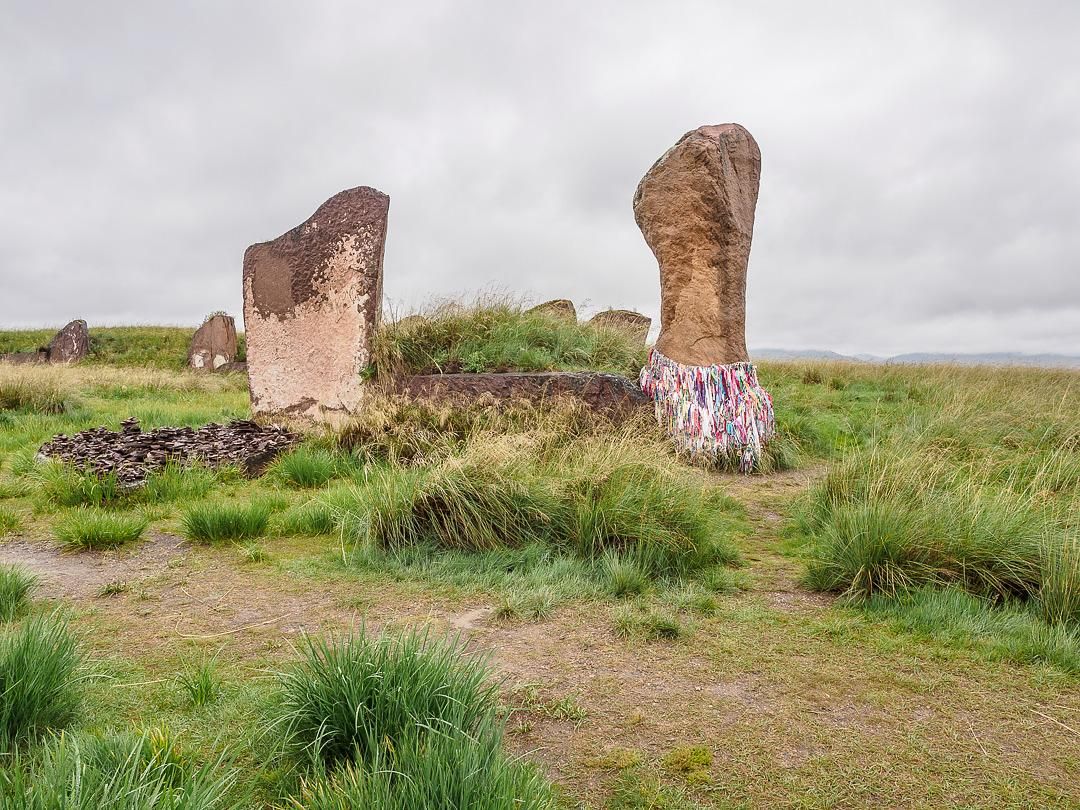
x,y
600,391
131,454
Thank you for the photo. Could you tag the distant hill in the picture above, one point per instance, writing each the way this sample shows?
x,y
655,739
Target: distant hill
x,y
914,358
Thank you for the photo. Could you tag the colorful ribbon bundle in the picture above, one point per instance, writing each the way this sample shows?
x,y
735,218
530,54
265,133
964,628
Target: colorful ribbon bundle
x,y
715,412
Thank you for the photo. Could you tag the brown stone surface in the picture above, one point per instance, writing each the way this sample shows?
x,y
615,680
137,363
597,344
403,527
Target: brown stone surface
x,y
213,345
557,307
632,323
70,344
695,207
600,391
312,302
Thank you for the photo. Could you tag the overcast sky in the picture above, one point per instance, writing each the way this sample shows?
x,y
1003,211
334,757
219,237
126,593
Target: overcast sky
x,y
920,160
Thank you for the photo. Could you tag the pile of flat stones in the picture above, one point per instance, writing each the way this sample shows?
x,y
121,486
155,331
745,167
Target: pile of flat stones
x,y
130,454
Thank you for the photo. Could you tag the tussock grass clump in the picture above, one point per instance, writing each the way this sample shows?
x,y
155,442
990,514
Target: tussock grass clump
x,y
10,521
400,721
497,335
883,525
175,482
355,696
15,587
587,499
220,522
309,519
61,484
92,528
39,679
305,467
32,393
1059,592
117,772
201,683
445,769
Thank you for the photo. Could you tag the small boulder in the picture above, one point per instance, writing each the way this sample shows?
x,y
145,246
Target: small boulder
x,y
562,308
633,324
70,344
213,346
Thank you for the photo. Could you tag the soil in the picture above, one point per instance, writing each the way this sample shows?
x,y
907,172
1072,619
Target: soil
x,y
773,685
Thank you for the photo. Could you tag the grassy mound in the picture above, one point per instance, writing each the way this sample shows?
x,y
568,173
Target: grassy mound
x,y
589,498
497,335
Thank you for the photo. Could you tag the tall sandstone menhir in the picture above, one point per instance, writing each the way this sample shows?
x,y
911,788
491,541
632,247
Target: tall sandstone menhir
x,y
695,208
312,303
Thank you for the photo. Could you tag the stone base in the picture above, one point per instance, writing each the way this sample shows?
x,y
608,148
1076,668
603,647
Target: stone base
x,y
601,392
714,413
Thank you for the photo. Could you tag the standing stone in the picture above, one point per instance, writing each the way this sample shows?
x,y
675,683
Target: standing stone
x,y
633,324
312,302
695,207
561,308
70,344
213,344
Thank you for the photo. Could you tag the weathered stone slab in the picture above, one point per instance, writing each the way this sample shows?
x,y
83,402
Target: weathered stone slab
x,y
600,391
312,302
70,344
633,324
695,207
558,308
213,345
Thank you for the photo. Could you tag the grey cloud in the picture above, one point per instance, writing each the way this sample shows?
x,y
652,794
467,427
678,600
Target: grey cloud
x,y
920,181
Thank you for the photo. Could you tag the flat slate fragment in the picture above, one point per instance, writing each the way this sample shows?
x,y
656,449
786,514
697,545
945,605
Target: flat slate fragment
x,y
600,391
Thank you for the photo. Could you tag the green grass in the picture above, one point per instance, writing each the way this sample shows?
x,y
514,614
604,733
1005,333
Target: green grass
x,y
200,684
497,335
1012,632
398,721
163,347
40,682
177,483
221,522
649,624
117,772
15,587
90,528
587,500
11,522
28,395
306,467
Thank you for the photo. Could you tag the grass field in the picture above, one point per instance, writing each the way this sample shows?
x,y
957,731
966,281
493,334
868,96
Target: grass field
x,y
485,606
